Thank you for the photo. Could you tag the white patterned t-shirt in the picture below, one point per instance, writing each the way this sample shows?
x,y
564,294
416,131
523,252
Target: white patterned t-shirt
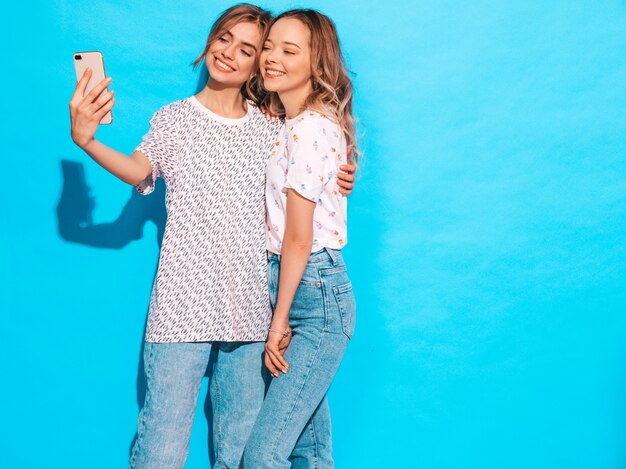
x,y
211,283
306,158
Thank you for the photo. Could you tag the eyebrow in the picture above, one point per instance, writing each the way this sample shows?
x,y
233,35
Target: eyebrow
x,y
285,42
292,44
247,44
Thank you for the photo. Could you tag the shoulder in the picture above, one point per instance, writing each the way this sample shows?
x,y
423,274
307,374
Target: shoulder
x,y
172,111
257,118
312,124
175,107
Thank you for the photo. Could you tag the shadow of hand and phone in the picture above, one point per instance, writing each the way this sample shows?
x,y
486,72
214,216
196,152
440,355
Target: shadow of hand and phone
x,y
75,213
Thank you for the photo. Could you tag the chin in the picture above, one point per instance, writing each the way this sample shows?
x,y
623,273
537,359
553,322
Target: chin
x,y
223,78
269,87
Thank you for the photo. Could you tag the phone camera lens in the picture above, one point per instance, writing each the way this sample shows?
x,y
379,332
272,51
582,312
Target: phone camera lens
x,y
78,57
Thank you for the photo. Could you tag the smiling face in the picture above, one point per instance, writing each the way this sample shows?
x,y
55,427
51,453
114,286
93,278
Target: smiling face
x,y
231,58
285,60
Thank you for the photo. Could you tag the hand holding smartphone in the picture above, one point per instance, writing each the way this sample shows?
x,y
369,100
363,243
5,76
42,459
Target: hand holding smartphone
x,y
95,62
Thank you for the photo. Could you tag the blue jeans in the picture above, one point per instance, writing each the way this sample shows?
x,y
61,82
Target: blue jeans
x,y
293,427
174,373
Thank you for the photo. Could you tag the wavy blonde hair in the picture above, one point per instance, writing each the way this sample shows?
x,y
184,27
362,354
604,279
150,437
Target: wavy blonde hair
x,y
241,13
332,87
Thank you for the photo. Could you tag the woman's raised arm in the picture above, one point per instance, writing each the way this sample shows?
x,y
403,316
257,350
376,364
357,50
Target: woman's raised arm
x,y
85,115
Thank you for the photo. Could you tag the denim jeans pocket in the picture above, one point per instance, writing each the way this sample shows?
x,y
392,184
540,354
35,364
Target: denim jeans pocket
x,y
310,277
347,307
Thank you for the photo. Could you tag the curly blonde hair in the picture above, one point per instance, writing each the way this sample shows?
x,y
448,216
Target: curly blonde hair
x,y
332,87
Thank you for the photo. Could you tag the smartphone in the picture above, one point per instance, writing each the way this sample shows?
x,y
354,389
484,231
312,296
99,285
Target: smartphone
x,y
94,61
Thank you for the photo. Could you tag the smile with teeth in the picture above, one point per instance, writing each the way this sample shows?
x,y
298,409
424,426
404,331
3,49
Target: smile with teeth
x,y
224,67
273,73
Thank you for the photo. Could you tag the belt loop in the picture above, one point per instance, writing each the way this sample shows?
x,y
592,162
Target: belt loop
x,y
332,255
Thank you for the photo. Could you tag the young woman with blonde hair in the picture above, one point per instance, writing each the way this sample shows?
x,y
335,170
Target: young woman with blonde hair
x,y
314,309
210,294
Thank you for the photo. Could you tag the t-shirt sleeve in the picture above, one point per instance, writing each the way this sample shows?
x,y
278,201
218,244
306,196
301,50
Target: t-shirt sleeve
x,y
310,154
160,146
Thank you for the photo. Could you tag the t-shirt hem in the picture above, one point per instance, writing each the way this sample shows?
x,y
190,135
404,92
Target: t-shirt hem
x,y
217,338
146,186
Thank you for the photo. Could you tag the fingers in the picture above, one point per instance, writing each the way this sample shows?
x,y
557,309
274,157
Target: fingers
x,y
270,366
276,359
267,114
345,188
104,110
93,102
77,97
101,101
270,117
348,169
345,177
82,83
98,89
346,183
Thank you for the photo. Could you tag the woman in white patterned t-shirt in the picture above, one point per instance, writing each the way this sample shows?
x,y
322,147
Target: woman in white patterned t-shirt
x,y
314,308
210,295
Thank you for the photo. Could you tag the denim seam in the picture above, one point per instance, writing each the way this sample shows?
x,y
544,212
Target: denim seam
x,y
297,398
314,435
218,420
338,291
332,270
142,421
332,255
325,299
307,283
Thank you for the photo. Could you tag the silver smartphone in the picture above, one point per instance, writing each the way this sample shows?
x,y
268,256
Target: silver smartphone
x,y
93,60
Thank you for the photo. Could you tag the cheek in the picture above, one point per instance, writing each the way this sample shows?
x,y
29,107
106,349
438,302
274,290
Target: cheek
x,y
247,65
302,69
213,48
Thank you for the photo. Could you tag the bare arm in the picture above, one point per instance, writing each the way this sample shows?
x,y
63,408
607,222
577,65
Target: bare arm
x,y
85,115
295,252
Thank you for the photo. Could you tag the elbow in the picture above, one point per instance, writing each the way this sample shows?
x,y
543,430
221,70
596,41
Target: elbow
x,y
133,180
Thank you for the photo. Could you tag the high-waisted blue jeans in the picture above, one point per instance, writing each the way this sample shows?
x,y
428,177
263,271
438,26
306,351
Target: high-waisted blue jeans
x,y
293,428
174,373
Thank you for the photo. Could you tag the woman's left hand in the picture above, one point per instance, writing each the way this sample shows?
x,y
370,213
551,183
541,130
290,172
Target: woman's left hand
x,y
275,348
269,117
345,178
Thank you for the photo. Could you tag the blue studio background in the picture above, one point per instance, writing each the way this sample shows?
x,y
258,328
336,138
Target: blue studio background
x,y
487,233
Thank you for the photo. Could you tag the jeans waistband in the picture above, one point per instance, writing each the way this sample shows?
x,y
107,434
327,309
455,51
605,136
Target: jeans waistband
x,y
324,254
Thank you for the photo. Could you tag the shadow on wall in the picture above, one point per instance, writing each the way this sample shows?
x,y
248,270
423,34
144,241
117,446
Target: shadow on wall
x,y
75,208
75,224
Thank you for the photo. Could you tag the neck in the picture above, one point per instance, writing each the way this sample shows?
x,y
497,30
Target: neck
x,y
293,100
227,101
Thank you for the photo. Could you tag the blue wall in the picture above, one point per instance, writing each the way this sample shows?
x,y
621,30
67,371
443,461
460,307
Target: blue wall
x,y
487,233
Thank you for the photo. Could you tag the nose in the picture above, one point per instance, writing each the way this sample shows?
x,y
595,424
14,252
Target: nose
x,y
270,57
228,52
